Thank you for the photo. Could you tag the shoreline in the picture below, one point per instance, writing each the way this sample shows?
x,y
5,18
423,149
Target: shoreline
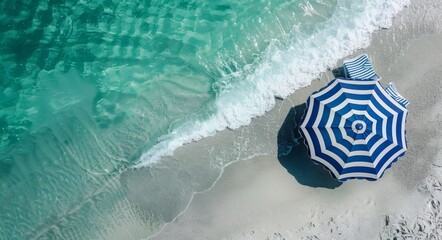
x,y
204,206
251,90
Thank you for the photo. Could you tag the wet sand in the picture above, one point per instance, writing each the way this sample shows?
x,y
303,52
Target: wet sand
x,y
277,193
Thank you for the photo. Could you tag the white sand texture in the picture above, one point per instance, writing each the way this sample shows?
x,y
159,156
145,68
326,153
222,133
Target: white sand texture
x,y
280,194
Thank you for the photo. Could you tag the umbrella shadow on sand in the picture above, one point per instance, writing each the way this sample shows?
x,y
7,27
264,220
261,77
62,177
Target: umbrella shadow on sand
x,y
293,154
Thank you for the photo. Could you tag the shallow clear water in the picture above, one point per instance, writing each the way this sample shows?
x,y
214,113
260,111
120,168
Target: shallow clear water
x,y
88,89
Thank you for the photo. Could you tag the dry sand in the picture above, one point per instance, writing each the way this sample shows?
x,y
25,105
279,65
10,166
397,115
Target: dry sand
x,y
279,194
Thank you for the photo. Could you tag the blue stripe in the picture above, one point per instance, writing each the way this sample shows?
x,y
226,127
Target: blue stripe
x,y
359,169
360,68
391,90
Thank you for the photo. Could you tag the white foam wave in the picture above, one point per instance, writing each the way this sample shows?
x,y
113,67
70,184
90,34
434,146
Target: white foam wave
x,y
281,72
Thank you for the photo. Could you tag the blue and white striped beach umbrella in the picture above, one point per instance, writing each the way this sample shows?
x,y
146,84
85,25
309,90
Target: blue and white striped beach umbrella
x,y
354,128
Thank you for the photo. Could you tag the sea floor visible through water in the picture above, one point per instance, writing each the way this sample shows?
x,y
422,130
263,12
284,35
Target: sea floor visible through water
x,y
96,96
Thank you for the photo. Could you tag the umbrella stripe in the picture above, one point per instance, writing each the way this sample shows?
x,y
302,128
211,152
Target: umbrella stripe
x,y
359,169
358,175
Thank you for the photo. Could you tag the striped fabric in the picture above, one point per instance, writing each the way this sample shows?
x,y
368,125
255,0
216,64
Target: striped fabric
x,y
360,68
391,89
354,129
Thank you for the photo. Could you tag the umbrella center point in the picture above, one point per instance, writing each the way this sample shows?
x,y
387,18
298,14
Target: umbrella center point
x,y
358,126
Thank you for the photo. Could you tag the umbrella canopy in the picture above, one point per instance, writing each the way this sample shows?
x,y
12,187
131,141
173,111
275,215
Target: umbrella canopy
x,y
354,128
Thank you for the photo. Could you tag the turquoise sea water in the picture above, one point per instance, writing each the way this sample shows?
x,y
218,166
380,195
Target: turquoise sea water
x,y
90,89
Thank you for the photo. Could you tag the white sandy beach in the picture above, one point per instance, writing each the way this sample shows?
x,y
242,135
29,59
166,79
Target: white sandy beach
x,y
177,120
277,193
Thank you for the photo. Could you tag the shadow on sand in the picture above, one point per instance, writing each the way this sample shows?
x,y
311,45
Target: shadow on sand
x,y
293,154
339,72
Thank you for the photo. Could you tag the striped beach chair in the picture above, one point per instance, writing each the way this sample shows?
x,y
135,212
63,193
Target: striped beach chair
x,y
391,90
360,68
